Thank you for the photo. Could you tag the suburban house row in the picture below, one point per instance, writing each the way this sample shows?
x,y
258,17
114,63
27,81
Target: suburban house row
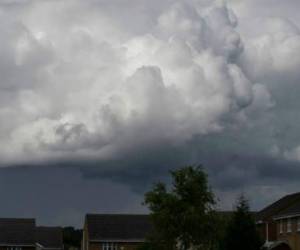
x,y
100,232
278,224
23,234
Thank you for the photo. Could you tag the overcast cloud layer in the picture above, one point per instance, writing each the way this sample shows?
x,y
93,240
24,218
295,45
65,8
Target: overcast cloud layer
x,y
121,91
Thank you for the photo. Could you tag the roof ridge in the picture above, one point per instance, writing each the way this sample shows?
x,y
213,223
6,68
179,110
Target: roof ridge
x,y
17,231
291,205
108,214
293,194
15,218
118,226
279,200
279,205
49,227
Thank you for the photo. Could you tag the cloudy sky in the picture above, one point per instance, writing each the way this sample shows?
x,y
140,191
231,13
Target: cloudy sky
x,y
101,98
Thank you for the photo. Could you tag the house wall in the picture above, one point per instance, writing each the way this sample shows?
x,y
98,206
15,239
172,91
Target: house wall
x,y
87,245
272,230
293,237
85,238
272,226
121,245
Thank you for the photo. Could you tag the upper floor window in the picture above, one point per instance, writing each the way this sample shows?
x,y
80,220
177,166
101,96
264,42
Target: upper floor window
x,y
109,246
289,225
281,226
14,248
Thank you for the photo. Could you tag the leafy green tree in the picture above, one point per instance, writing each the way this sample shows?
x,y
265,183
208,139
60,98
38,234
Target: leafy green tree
x,y
241,232
72,237
183,215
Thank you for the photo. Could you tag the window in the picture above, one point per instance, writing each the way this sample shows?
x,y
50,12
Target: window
x,y
298,224
14,248
109,246
281,226
289,226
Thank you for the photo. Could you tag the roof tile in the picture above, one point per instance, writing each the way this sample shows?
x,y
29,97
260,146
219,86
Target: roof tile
x,y
118,226
17,231
279,207
49,237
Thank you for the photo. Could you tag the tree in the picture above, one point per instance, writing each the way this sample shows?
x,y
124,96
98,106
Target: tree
x,y
72,237
241,232
183,215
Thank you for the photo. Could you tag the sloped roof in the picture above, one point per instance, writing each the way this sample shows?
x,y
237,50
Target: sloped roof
x,y
278,207
20,232
290,211
118,227
49,237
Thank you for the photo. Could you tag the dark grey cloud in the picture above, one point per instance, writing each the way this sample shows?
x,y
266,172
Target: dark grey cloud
x,y
61,193
60,196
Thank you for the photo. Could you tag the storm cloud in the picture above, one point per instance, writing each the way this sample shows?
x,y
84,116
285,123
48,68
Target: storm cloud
x,y
123,91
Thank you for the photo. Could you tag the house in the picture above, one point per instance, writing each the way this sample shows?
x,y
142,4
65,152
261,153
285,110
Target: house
x,y
288,225
279,223
17,234
114,231
23,234
49,238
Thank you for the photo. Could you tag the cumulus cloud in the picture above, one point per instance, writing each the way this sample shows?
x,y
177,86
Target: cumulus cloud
x,y
80,81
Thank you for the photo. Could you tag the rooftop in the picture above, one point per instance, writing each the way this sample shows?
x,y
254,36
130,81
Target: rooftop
x,y
17,231
286,203
118,227
49,237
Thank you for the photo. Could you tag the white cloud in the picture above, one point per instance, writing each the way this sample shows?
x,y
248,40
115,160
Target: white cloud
x,y
97,79
83,83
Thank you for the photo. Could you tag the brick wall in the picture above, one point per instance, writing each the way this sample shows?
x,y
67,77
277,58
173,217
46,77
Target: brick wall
x,y
293,237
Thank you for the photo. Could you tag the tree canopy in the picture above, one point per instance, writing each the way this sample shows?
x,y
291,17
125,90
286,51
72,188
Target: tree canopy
x,y
72,237
241,232
183,214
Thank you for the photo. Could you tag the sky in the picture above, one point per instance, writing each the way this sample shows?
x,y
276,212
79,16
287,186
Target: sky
x,y
100,99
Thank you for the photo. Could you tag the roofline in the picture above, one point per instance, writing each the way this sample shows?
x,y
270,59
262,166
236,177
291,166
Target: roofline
x,y
112,214
118,240
286,216
18,218
112,239
18,245
117,214
43,227
264,218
